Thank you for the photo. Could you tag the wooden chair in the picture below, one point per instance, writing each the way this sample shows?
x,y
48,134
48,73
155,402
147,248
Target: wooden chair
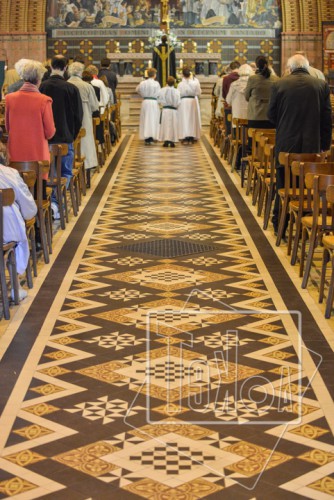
x,y
7,256
259,169
226,138
316,225
302,202
236,143
96,123
256,156
118,121
30,179
44,219
328,255
79,165
105,117
267,182
57,182
286,194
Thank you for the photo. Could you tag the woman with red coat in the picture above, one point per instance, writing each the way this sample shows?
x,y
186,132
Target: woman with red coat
x,y
29,118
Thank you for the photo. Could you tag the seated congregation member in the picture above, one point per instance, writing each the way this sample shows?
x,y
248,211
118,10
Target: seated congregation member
x,y
300,110
24,208
236,94
257,94
67,113
150,112
29,117
90,104
189,118
169,98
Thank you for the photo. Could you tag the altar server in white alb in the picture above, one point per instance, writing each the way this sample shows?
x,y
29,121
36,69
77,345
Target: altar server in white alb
x,y
150,111
169,98
189,117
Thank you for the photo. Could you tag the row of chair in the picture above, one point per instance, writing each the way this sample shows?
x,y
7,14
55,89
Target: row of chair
x,y
306,200
68,197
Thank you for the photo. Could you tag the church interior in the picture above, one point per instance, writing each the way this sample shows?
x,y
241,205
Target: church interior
x,y
171,345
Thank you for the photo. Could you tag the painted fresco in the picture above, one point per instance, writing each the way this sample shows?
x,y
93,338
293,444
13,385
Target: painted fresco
x,y
146,13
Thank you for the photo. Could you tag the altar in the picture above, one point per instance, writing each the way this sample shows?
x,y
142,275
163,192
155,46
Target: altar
x,y
204,63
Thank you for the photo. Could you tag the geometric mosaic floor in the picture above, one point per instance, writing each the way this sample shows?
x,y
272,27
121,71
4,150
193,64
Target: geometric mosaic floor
x,y
162,361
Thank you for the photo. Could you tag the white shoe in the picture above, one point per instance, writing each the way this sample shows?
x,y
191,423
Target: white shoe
x,y
22,294
55,211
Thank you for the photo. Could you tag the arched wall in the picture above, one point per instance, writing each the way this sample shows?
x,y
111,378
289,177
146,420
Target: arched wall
x,y
22,28
302,27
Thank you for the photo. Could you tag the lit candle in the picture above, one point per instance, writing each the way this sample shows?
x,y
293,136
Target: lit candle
x,y
130,46
181,63
150,63
208,44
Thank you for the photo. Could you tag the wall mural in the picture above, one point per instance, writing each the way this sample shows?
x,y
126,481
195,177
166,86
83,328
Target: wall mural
x,y
146,13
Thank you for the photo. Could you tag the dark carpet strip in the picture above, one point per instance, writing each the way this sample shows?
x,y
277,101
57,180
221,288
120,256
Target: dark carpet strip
x,y
19,349
311,333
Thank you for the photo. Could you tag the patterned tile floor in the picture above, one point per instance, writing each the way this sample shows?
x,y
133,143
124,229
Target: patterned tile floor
x,y
159,359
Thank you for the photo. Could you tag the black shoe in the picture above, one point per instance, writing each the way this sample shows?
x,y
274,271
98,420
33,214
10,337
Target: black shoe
x,y
165,144
172,145
147,142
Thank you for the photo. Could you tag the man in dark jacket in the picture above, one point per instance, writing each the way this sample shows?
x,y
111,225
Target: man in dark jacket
x,y
67,110
110,75
300,110
66,107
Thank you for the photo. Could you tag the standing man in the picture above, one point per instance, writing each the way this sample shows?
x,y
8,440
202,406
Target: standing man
x,y
300,110
111,75
164,61
67,113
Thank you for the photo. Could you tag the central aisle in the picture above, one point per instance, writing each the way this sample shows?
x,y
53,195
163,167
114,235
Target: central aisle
x,y
159,359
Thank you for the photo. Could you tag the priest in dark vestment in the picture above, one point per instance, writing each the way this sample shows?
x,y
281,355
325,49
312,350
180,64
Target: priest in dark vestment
x,y
164,61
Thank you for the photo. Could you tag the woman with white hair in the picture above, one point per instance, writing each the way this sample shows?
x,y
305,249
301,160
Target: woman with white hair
x,y
89,105
29,117
236,94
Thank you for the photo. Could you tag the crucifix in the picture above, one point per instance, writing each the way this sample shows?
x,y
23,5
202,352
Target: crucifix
x,y
164,53
164,17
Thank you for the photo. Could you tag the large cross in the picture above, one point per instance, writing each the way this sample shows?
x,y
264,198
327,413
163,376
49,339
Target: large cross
x,y
164,17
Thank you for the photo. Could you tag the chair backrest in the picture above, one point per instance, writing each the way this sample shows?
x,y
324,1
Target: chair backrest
x,y
77,144
7,198
286,159
30,178
255,134
40,168
268,158
298,173
330,194
318,184
56,152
